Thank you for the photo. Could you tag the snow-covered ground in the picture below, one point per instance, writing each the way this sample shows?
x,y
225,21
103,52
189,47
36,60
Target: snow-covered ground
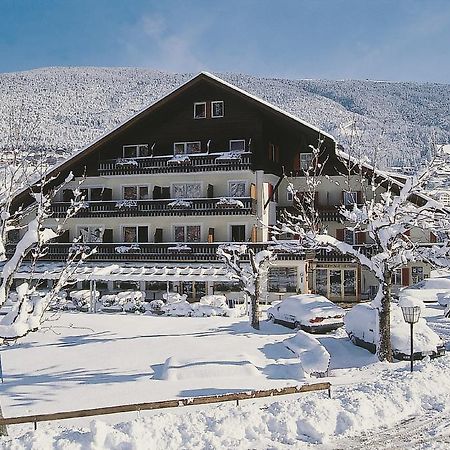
x,y
91,360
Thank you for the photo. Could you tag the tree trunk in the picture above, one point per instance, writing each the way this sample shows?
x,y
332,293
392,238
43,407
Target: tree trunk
x,y
3,429
384,321
254,313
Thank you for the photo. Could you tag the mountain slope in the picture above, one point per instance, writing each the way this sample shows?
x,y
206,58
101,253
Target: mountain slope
x,y
76,105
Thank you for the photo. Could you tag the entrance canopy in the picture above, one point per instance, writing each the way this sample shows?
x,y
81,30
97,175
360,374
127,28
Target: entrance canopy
x,y
127,272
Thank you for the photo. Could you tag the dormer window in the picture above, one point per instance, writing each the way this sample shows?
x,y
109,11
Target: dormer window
x,y
217,109
200,110
237,145
135,151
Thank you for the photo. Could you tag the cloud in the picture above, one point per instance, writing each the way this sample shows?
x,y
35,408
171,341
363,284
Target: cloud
x,y
154,42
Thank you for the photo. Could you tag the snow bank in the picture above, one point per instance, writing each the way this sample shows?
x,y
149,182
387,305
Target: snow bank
x,y
394,396
238,366
314,358
429,290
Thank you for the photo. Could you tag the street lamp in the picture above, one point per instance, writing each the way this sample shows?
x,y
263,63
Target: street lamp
x,y
411,314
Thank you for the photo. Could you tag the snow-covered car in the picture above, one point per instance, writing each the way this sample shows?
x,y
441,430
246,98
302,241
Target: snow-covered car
x,y
430,290
310,312
361,326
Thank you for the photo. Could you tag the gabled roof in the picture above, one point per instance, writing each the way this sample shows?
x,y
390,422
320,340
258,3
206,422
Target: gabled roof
x,y
158,103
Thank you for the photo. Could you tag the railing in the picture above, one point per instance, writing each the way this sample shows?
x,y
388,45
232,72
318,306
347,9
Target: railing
x,y
175,403
169,164
155,252
185,252
170,207
326,213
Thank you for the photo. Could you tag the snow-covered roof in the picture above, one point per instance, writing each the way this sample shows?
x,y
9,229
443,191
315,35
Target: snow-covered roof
x,y
127,272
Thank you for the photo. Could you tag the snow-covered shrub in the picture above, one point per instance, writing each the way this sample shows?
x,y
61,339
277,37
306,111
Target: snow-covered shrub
x,y
217,300
82,298
172,297
156,306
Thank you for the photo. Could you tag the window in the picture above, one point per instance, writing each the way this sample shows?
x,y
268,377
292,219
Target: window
x,y
349,236
237,188
397,278
186,190
350,198
306,161
133,234
135,151
289,195
417,274
186,148
217,109
282,279
91,234
349,283
135,193
200,110
186,233
237,145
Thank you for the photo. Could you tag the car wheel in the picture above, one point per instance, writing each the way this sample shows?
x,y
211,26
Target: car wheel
x,y
297,325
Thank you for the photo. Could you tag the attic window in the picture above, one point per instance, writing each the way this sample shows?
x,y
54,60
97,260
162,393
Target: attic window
x,y
237,145
200,110
306,160
217,109
135,151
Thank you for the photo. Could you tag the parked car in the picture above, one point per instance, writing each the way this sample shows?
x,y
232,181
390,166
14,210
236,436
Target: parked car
x,y
430,290
310,312
361,326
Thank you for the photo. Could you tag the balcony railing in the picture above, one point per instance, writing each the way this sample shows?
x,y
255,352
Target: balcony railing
x,y
180,252
168,164
187,207
326,213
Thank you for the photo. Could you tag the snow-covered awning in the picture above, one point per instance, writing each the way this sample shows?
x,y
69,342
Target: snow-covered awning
x,y
127,272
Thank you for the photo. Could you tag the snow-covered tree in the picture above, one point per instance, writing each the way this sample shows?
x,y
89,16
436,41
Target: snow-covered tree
x,y
251,270
387,212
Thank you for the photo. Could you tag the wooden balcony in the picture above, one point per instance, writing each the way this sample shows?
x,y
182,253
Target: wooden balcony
x,y
326,213
187,207
168,164
179,252
150,252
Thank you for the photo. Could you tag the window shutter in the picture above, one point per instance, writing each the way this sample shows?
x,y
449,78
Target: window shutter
x,y
107,194
67,195
158,237
296,161
277,153
361,237
108,235
340,234
407,233
433,238
359,197
210,235
405,276
63,237
254,233
142,234
253,191
165,193
157,192
210,191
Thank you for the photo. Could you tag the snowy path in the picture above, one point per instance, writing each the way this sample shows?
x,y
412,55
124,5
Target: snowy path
x,y
430,431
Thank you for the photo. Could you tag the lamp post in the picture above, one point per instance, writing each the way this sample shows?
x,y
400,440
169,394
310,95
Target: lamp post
x,y
411,314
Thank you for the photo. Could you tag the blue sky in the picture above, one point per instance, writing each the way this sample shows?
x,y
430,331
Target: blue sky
x,y
334,39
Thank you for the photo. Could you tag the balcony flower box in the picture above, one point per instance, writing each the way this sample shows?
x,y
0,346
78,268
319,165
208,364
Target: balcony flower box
x,y
124,204
179,160
134,248
226,202
180,204
179,248
232,156
126,162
